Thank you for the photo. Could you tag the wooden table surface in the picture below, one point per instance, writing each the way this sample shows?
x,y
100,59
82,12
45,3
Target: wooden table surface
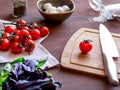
x,y
60,34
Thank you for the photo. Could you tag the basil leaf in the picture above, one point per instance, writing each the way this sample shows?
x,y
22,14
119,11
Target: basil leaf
x,y
5,74
49,74
41,63
17,60
6,69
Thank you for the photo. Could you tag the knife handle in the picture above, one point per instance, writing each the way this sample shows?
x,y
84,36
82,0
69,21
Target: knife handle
x,y
111,69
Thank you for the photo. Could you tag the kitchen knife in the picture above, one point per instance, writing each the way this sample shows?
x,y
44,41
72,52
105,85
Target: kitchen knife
x,y
109,51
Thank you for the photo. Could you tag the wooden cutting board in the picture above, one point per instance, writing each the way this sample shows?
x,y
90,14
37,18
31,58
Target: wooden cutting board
x,y
91,63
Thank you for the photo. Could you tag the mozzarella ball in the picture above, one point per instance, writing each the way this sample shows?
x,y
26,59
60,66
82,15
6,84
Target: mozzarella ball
x,y
51,10
59,10
47,5
65,8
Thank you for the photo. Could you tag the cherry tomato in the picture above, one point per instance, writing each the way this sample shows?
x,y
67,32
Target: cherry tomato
x,y
29,45
29,37
34,25
24,34
6,35
15,32
4,44
85,46
20,23
25,27
15,38
22,41
16,48
43,31
35,33
9,29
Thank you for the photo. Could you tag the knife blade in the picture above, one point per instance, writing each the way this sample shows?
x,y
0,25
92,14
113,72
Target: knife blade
x,y
109,50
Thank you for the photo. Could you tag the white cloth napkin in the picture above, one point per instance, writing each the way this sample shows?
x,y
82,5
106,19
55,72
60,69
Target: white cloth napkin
x,y
39,53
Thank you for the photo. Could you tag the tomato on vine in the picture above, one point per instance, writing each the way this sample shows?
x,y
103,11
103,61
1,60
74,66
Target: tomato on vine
x,y
20,23
15,32
14,38
24,34
5,34
16,48
26,27
9,29
34,24
4,44
29,45
43,31
35,33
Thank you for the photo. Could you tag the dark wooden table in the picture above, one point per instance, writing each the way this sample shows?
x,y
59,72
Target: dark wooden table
x,y
60,34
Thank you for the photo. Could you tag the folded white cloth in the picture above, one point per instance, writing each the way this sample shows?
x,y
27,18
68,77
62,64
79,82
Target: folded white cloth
x,y
39,53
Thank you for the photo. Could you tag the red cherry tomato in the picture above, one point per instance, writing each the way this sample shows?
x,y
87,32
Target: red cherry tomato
x,y
16,48
6,35
43,31
25,27
4,44
34,25
29,45
15,32
29,37
85,46
9,29
35,33
24,34
20,23
15,38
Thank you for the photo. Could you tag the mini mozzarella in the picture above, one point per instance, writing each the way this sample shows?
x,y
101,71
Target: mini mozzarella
x,y
65,8
47,5
59,10
51,9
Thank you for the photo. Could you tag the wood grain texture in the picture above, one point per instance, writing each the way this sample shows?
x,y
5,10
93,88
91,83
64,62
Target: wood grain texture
x,y
91,63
